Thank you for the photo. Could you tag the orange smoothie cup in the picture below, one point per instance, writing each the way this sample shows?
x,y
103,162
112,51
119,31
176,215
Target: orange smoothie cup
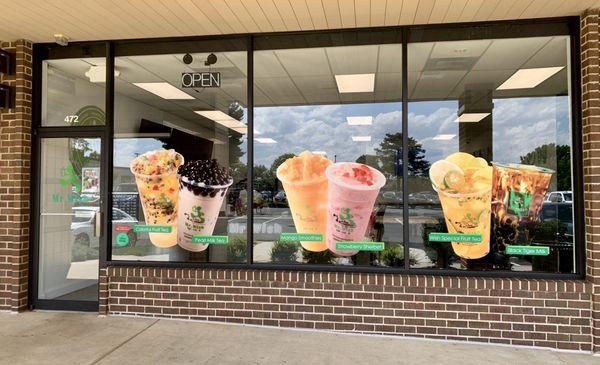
x,y
307,196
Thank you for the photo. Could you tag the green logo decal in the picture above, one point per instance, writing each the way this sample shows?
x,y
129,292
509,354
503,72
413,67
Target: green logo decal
x,y
518,203
69,177
122,239
194,220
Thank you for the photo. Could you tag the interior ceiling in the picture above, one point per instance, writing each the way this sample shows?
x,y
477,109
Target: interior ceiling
x,y
437,71
39,20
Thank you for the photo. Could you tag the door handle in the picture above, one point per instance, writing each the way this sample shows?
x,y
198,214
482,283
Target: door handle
x,y
98,226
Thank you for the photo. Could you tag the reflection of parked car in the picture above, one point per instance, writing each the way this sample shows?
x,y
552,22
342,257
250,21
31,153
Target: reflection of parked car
x,y
280,198
423,198
559,197
390,198
558,212
559,238
83,225
267,195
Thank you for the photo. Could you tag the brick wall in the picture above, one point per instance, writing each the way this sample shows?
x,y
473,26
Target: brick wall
x,y
522,312
15,157
590,108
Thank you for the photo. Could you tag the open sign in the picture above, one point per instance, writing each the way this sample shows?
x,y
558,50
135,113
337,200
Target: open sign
x,y
200,79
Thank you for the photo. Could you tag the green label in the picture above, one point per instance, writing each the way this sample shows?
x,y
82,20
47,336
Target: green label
x,y
138,228
210,240
528,250
360,246
518,203
122,239
296,237
455,237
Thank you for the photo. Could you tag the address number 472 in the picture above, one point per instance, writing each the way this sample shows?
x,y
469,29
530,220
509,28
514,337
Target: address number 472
x,y
71,119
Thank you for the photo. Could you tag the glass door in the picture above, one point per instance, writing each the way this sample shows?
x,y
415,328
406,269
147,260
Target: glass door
x,y
70,231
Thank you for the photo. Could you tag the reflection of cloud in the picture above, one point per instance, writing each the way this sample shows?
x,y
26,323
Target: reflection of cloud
x,y
526,123
323,128
520,125
126,149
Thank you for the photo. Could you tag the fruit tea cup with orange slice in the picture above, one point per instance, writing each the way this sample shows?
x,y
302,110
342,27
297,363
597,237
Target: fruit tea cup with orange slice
x,y
464,183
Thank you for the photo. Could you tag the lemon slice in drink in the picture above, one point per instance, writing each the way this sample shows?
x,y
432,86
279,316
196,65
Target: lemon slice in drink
x,y
446,175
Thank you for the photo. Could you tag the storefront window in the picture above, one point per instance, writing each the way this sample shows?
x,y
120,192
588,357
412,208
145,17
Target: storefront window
x,y
489,122
480,178
73,92
180,157
327,155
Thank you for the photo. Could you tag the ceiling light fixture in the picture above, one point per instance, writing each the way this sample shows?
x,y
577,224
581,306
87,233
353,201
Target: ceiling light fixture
x,y
223,119
471,117
355,83
527,78
265,140
361,138
164,90
359,120
97,74
444,137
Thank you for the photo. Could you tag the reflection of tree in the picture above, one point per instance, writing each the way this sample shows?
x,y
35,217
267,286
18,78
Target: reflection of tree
x,y
237,167
264,179
82,155
389,153
279,160
553,157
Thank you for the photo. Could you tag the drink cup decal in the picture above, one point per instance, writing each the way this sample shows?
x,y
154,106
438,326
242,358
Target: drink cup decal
x,y
464,183
156,179
303,179
203,185
353,190
517,195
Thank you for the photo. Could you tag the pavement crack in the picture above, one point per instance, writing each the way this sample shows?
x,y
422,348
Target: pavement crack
x,y
123,343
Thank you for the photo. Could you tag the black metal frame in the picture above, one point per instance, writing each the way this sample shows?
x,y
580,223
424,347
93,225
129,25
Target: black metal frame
x,y
498,29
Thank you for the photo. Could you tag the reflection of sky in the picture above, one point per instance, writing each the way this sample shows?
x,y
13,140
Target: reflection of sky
x,y
519,126
323,128
126,149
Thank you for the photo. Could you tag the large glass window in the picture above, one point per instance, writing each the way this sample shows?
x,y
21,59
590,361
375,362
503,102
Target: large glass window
x,y
327,155
479,179
180,156
489,125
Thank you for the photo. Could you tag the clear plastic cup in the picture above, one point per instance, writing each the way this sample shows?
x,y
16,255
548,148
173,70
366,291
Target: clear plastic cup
x,y
308,202
159,195
349,207
199,208
468,213
518,192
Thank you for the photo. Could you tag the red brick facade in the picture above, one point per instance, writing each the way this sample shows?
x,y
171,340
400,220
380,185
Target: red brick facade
x,y
556,314
522,312
15,157
590,111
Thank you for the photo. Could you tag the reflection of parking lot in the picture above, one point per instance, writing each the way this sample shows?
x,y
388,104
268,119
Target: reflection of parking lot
x,y
271,222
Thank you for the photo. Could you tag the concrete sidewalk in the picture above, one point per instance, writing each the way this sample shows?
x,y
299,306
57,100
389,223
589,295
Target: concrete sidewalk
x,y
77,338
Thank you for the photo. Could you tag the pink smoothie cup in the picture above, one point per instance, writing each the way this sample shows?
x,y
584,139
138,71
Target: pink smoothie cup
x,y
349,206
